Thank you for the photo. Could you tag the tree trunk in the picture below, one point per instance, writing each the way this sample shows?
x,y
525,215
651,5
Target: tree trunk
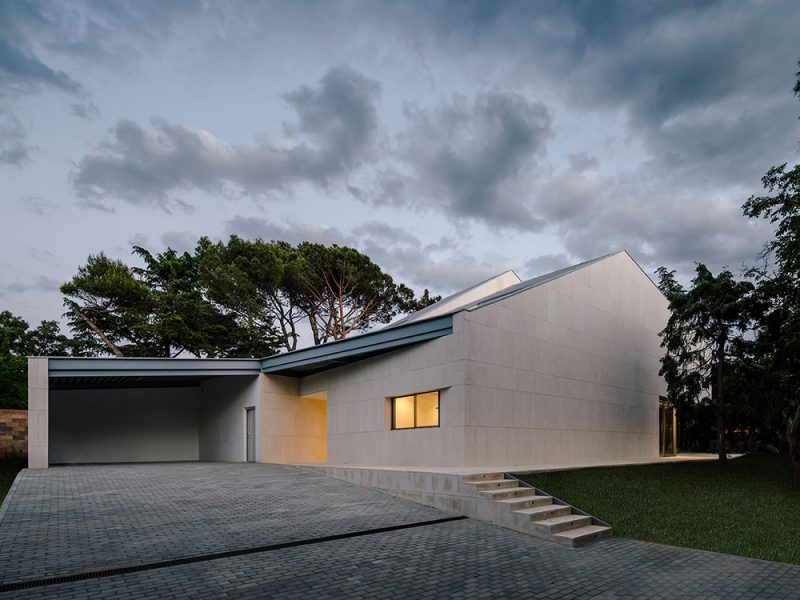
x,y
722,446
793,435
116,351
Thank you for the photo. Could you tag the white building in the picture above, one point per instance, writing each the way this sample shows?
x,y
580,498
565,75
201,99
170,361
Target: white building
x,y
560,369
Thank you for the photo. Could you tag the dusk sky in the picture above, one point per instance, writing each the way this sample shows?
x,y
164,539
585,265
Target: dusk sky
x,y
447,140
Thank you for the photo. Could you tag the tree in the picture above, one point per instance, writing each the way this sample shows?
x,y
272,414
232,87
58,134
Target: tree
x,y
13,364
241,278
180,318
106,300
704,323
423,301
235,298
341,290
17,342
779,286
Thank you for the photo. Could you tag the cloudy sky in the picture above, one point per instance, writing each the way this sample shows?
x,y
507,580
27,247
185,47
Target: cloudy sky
x,y
448,140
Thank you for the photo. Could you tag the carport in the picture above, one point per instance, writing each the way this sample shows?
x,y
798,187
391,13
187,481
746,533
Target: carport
x,y
143,410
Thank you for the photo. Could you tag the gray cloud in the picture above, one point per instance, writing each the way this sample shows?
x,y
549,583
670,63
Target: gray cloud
x,y
334,133
704,85
702,91
23,73
470,158
180,241
663,226
35,35
14,147
39,284
583,161
545,263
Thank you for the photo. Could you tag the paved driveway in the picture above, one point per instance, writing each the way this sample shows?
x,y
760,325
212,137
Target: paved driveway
x,y
110,520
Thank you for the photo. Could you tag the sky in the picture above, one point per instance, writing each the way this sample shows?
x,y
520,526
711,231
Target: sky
x,y
449,141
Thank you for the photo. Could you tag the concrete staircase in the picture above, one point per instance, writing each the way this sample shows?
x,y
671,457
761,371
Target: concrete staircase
x,y
523,509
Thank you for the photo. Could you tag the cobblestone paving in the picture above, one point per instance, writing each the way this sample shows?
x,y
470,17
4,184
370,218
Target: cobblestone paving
x,y
461,559
67,519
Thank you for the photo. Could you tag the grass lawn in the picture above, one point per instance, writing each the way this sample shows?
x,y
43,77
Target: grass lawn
x,y
751,509
9,467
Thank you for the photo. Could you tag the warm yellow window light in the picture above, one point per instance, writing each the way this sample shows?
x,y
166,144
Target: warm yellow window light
x,y
428,409
404,412
418,410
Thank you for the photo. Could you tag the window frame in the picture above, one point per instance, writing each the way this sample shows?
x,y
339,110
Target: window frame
x,y
414,395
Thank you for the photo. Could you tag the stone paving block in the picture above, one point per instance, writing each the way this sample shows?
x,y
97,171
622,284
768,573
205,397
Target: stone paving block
x,y
460,559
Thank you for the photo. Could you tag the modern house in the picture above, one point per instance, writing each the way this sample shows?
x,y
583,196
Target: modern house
x,y
559,369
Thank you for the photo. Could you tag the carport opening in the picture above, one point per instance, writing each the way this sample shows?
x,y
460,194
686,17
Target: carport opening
x,y
151,419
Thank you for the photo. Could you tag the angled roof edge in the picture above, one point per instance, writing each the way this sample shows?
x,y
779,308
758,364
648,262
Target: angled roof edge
x,y
636,262
135,366
441,305
537,281
349,349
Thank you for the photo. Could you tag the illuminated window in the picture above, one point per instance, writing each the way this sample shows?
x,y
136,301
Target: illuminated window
x,y
419,410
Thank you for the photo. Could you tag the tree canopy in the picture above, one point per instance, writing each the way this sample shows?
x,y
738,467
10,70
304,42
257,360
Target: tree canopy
x,y
238,298
17,342
705,323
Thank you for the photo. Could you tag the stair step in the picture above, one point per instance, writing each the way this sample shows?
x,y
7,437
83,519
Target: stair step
x,y
491,484
545,511
525,501
509,492
479,477
561,523
583,535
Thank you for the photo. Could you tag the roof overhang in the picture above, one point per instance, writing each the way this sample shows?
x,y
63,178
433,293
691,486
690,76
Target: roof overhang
x,y
83,373
107,372
334,354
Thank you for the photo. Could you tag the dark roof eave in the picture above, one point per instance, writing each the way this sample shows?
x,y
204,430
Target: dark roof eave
x,y
351,349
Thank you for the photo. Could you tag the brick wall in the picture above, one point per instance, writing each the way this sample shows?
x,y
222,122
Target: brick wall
x,y
13,431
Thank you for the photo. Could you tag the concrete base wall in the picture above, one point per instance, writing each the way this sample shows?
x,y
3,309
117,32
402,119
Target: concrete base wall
x,y
445,491
222,417
124,425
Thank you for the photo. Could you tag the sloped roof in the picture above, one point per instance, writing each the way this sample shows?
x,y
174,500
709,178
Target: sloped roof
x,y
535,282
482,294
463,298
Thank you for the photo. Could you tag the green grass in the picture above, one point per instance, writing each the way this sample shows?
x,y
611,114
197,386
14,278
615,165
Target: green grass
x,y
750,509
9,467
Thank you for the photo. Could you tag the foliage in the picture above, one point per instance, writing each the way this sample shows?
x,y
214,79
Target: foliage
x,y
243,298
180,318
777,345
749,509
341,290
17,342
107,300
706,323
242,278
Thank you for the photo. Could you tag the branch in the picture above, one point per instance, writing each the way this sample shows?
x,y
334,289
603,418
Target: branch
x,y
116,351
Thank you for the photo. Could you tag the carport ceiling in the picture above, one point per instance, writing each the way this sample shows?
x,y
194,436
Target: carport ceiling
x,y
126,381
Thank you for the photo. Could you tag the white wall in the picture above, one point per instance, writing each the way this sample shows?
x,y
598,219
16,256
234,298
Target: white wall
x,y
123,425
293,427
358,421
567,371
222,417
